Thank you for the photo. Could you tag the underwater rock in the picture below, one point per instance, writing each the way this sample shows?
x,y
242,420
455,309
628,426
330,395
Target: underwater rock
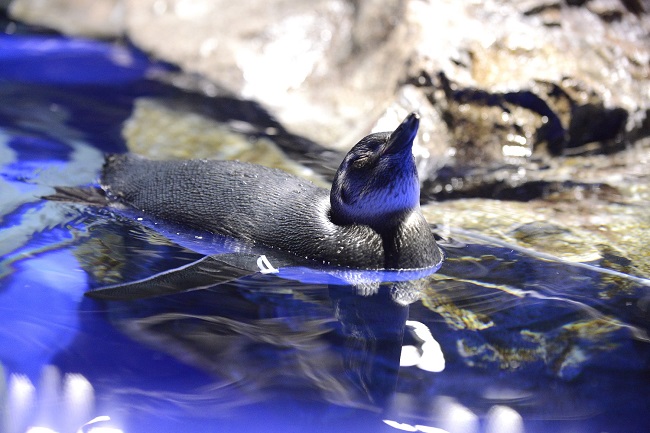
x,y
157,131
563,352
573,230
508,309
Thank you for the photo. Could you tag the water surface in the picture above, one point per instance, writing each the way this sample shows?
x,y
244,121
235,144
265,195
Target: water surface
x,y
497,341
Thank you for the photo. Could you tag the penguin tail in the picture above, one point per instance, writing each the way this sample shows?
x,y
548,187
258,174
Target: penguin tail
x,y
93,196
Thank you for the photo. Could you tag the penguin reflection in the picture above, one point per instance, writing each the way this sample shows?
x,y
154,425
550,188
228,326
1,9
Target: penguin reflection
x,y
325,343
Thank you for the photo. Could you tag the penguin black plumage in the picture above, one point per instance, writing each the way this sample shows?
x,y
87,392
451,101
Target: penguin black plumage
x,y
370,219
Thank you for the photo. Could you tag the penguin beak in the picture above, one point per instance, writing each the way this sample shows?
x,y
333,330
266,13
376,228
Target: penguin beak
x,y
402,137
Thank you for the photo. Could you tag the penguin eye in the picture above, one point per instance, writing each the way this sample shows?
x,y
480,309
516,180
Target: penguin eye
x,y
364,161
360,162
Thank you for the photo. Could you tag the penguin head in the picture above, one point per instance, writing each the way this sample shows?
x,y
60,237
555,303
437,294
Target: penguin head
x,y
377,182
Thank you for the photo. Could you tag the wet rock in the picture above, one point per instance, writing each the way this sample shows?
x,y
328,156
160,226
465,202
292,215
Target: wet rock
x,y
329,70
519,160
432,147
313,64
491,130
96,18
583,223
512,82
159,132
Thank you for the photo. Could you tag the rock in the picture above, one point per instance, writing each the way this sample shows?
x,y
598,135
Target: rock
x,y
331,70
541,104
518,86
313,64
158,131
95,18
576,224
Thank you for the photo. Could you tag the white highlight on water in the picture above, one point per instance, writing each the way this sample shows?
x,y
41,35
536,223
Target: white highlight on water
x,y
429,356
265,265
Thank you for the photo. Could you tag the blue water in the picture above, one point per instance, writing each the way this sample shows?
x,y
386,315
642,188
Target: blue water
x,y
501,341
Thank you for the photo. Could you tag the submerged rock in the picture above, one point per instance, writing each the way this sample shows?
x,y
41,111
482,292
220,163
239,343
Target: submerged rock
x,y
159,132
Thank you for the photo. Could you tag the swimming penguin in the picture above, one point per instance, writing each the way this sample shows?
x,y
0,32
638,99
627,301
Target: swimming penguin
x,y
370,218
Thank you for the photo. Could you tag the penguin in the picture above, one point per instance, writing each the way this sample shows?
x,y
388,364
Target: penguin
x,y
369,219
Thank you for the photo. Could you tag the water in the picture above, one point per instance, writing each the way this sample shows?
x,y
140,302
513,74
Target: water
x,y
500,341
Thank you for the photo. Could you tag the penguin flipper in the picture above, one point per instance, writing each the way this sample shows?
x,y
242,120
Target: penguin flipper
x,y
204,273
